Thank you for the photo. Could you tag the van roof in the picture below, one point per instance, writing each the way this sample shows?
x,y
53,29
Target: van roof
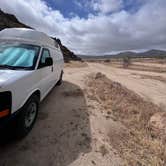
x,y
27,35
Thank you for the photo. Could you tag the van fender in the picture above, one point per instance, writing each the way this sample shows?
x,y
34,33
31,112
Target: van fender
x,y
35,91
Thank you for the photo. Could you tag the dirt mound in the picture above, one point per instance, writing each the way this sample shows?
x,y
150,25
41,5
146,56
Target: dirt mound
x,y
135,143
124,103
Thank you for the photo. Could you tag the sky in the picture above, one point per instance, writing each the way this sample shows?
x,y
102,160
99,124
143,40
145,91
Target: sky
x,y
96,27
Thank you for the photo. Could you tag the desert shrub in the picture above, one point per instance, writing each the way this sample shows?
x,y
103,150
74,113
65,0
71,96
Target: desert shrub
x,y
126,61
107,60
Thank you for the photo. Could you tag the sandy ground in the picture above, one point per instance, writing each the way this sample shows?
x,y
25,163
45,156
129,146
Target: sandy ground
x,y
151,89
150,64
153,65
72,129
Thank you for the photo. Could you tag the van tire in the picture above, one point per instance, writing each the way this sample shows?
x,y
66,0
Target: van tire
x,y
60,79
22,125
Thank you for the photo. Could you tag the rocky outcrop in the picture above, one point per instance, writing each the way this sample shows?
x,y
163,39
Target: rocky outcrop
x,y
68,55
10,21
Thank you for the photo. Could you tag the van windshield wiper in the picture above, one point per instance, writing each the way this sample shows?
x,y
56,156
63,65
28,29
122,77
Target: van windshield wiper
x,y
7,67
13,67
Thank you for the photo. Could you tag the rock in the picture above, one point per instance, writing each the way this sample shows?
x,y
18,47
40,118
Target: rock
x,y
99,75
157,125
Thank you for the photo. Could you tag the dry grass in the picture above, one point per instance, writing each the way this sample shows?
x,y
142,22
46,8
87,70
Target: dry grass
x,y
76,64
134,141
139,67
103,150
142,66
158,78
148,68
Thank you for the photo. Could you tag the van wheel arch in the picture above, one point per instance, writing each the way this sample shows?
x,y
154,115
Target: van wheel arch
x,y
36,93
60,79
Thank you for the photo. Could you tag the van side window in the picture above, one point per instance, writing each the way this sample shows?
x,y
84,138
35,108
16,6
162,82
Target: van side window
x,y
45,54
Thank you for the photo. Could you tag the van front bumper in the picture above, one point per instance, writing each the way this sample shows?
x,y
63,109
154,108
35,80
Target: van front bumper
x,y
5,121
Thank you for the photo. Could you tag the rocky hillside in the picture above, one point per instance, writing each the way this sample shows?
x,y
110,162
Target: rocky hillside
x,y
147,54
150,54
68,55
10,21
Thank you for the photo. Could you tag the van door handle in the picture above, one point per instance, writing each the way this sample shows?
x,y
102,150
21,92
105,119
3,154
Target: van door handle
x,y
52,68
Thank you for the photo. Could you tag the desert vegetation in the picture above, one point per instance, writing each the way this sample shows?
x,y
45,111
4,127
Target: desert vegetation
x,y
126,62
132,138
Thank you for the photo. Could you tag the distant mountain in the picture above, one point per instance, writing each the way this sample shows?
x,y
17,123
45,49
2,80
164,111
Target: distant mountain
x,y
10,21
146,54
153,53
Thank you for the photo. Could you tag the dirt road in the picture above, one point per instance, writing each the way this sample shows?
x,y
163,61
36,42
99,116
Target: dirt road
x,y
72,129
149,88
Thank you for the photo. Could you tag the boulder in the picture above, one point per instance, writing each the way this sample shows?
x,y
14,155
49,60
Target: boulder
x,y
157,125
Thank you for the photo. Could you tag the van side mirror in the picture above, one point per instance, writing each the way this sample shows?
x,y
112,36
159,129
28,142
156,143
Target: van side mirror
x,y
48,61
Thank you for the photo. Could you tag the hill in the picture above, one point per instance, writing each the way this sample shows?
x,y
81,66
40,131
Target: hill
x,y
10,21
146,54
68,55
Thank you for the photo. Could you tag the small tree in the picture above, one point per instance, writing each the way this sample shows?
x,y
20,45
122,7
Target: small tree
x,y
126,61
107,60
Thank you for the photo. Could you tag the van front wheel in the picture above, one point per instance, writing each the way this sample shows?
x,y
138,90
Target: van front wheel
x,y
27,116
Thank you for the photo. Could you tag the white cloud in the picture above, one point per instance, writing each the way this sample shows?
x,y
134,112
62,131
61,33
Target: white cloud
x,y
107,6
98,34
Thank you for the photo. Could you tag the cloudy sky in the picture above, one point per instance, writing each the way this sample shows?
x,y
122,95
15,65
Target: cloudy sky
x,y
96,26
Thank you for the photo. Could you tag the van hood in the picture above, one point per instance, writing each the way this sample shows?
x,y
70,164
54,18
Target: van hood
x,y
9,76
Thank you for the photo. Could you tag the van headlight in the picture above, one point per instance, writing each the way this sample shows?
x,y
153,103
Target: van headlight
x,y
5,103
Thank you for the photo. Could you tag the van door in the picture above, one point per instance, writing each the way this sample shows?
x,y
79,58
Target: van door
x,y
46,73
57,69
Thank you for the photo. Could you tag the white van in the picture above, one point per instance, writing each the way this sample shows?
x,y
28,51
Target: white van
x,y
31,64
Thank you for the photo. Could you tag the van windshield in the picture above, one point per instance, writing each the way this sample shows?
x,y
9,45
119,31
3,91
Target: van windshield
x,y
18,56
